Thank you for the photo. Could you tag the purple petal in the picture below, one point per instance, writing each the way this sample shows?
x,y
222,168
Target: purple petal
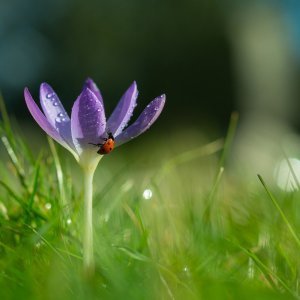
x,y
55,112
122,113
41,119
89,83
87,120
144,121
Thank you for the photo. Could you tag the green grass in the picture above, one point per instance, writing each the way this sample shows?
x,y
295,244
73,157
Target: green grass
x,y
204,234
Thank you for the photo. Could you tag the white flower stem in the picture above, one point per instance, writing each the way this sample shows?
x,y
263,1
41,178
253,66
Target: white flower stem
x,y
88,254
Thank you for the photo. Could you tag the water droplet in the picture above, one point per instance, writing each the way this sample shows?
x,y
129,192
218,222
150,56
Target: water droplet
x,y
55,103
156,108
49,95
64,119
250,268
186,271
58,120
61,115
147,194
48,206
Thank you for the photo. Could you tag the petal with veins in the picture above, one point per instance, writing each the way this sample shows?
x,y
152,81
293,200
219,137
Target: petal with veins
x,y
123,112
89,83
144,121
87,120
42,120
55,113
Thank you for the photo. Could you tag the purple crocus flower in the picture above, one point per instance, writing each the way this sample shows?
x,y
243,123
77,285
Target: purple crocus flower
x,y
88,124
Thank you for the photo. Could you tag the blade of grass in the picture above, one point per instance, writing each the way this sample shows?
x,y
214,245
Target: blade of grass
x,y
292,171
34,189
20,201
45,241
229,138
283,216
140,257
206,150
111,183
265,270
4,115
60,176
15,161
212,193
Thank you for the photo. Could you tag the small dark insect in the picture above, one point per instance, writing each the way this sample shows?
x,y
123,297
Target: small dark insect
x,y
107,146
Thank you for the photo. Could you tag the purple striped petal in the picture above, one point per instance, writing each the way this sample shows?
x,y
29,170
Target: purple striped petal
x,y
123,112
41,119
55,113
89,83
144,121
87,120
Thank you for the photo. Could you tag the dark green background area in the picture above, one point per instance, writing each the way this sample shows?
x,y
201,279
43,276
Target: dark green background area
x,y
180,48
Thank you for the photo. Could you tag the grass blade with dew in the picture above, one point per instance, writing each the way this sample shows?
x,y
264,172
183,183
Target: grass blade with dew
x,y
143,258
283,216
267,272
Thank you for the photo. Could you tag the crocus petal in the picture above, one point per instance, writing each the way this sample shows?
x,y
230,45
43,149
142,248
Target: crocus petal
x,y
89,83
41,119
122,113
55,113
144,121
87,120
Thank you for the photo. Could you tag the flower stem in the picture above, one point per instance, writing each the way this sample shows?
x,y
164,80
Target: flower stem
x,y
88,255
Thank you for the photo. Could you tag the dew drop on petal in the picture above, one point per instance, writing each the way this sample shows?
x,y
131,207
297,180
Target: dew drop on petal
x,y
61,115
49,95
58,120
55,103
147,194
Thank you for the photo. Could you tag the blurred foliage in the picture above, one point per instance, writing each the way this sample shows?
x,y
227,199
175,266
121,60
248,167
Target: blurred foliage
x,y
173,47
202,234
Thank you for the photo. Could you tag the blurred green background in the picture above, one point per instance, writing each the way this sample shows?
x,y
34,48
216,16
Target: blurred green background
x,y
210,57
209,227
180,48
